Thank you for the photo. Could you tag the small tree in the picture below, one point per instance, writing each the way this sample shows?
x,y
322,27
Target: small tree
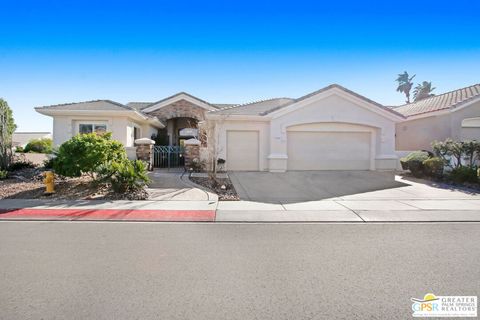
x,y
85,152
7,128
209,131
405,84
423,91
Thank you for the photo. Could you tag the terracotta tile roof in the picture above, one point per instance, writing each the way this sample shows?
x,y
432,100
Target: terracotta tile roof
x,y
448,100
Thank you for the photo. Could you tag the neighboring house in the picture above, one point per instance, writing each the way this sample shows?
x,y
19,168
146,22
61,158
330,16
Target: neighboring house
x,y
21,139
454,114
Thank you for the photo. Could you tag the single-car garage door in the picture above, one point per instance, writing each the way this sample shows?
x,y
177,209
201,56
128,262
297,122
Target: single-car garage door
x,y
242,150
328,150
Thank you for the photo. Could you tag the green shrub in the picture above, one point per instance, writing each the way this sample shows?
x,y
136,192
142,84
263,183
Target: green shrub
x,y
48,163
84,153
3,174
19,149
414,162
125,175
433,167
464,174
19,165
44,145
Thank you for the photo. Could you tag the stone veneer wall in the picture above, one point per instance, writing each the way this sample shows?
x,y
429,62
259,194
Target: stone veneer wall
x,y
191,152
180,109
145,153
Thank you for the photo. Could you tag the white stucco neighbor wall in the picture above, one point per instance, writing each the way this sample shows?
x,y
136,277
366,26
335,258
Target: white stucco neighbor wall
x,y
338,112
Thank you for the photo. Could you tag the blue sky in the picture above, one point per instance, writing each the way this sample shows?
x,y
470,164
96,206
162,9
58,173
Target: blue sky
x,y
228,52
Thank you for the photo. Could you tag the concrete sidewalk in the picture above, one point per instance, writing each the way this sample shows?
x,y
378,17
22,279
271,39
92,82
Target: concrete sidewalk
x,y
245,211
351,211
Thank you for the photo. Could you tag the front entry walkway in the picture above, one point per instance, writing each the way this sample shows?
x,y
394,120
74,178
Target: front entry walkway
x,y
173,184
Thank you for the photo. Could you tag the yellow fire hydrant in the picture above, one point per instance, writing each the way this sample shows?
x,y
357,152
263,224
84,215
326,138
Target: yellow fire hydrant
x,y
49,182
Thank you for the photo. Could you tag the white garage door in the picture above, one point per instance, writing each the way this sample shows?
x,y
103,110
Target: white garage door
x,y
242,150
328,150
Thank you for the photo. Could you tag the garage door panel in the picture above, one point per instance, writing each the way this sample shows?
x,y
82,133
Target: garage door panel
x,y
328,150
242,150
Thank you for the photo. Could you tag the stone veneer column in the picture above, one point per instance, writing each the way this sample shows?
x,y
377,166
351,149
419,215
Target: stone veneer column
x,y
192,151
145,151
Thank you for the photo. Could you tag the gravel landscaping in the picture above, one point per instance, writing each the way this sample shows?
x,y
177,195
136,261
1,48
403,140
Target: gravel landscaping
x,y
28,184
223,187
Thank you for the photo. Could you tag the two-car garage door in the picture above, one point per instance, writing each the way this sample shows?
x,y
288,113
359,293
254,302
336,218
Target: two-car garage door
x,y
313,150
307,150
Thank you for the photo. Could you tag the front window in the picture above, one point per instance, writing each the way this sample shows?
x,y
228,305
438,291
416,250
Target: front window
x,y
84,128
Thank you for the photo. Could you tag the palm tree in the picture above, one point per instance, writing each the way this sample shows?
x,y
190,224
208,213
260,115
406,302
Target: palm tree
x,y
405,84
423,91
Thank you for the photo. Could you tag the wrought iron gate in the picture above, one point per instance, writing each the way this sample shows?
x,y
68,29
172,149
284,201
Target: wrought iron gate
x,y
168,156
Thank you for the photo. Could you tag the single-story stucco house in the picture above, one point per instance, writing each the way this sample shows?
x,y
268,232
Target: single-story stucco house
x,y
329,129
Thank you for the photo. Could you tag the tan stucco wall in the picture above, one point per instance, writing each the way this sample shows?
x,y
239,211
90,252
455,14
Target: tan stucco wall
x,y
420,133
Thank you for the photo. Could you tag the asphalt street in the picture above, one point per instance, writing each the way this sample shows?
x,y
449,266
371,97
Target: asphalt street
x,y
114,270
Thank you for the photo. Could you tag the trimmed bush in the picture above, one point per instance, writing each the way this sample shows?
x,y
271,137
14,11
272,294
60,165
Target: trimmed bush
x,y
124,176
414,162
19,165
44,145
464,174
48,163
433,167
85,152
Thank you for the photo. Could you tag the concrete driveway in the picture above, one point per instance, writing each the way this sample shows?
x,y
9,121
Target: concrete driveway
x,y
301,186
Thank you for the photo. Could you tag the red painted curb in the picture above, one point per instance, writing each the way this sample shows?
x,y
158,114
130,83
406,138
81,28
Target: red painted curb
x,y
107,214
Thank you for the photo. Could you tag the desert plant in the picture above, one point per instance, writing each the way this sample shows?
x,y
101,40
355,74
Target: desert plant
x,y
458,151
469,150
84,153
43,145
48,163
19,165
19,149
125,175
464,174
448,149
414,162
433,167
3,174
7,127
